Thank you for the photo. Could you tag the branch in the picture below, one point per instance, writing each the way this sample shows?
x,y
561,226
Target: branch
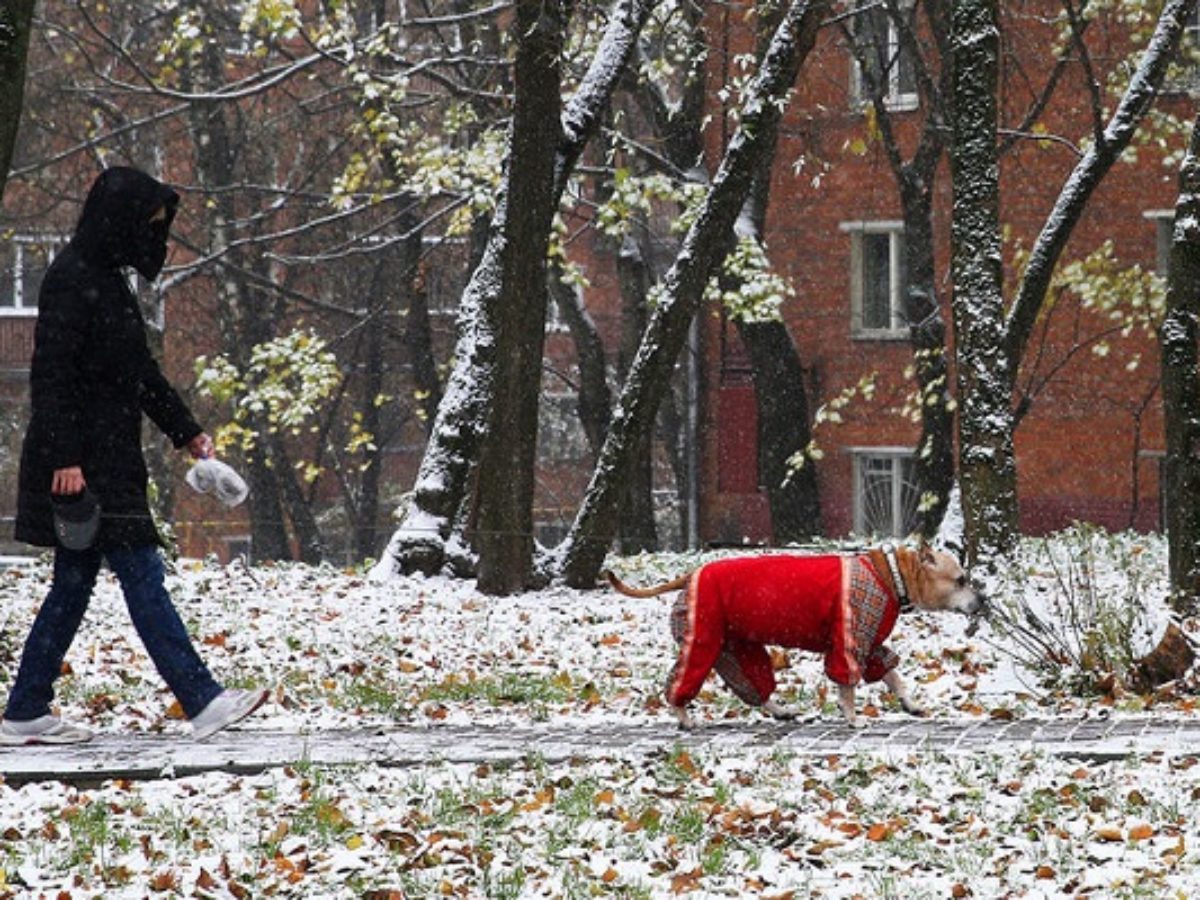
x,y
1088,174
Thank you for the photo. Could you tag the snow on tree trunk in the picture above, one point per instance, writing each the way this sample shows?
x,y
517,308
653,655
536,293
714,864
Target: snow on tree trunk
x,y
504,536
1181,388
707,243
16,18
987,470
453,451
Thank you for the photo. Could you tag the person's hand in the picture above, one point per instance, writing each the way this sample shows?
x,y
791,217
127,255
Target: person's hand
x,y
67,481
201,446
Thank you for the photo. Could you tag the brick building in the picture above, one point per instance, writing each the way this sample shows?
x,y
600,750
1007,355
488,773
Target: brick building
x,y
1090,445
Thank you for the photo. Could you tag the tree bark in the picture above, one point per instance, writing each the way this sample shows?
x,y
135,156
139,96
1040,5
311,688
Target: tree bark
x,y
1181,389
245,317
987,470
707,243
505,525
16,21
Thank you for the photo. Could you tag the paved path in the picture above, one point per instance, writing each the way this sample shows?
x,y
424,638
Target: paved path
x,y
159,756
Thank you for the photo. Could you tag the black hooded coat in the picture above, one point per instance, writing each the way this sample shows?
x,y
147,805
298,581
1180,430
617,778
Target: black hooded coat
x,y
93,375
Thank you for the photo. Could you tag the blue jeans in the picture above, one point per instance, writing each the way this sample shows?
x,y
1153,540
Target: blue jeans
x,y
140,572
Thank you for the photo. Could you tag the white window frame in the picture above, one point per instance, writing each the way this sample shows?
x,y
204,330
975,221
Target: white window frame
x,y
898,323
895,98
894,456
22,305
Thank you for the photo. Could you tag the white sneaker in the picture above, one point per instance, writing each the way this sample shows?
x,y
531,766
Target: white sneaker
x,y
43,730
229,706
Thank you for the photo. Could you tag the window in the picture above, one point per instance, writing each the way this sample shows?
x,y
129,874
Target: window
x,y
883,63
23,261
1164,220
886,494
878,279
238,546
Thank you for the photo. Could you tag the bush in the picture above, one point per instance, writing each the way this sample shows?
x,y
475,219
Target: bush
x,y
1082,608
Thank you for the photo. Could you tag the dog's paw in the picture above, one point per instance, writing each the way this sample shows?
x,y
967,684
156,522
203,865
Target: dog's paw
x,y
914,709
855,722
682,719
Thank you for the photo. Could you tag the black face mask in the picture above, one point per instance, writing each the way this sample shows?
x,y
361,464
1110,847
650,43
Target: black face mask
x,y
115,227
150,247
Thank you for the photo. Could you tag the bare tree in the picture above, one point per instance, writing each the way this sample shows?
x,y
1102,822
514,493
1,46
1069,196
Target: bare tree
x,y
441,492
708,242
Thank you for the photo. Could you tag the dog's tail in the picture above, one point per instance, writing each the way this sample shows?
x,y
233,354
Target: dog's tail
x,y
646,592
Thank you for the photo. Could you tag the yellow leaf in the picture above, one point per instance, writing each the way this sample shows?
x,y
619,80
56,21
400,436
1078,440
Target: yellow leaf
x,y
354,842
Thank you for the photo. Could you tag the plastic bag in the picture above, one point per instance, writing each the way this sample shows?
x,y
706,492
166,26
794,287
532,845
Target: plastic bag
x,y
211,476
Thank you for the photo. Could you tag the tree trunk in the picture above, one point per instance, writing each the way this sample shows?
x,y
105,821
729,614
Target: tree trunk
x,y
595,399
16,19
987,470
707,243
454,447
784,429
505,526
637,530
1181,389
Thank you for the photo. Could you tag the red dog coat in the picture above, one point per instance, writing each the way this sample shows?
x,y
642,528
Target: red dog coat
x,y
834,605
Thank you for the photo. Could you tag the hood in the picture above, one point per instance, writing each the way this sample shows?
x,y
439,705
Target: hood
x,y
114,228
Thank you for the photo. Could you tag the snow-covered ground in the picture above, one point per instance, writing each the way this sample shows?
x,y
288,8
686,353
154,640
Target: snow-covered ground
x,y
343,651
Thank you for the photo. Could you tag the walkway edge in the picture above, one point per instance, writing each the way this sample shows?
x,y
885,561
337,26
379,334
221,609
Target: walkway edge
x,y
148,757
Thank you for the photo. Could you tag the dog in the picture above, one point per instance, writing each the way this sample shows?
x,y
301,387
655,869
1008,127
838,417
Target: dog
x,y
843,606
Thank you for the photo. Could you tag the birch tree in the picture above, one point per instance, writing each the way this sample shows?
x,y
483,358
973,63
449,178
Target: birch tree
x,y
1181,388
709,239
16,18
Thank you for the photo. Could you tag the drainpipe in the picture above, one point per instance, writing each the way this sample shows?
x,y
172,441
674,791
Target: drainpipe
x,y
692,430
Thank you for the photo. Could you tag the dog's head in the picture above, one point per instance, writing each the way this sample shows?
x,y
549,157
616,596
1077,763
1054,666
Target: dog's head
x,y
936,582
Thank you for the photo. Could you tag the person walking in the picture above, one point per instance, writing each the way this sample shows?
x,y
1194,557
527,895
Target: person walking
x,y
82,469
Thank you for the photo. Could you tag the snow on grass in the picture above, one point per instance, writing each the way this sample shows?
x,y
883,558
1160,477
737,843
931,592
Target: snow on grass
x,y
344,651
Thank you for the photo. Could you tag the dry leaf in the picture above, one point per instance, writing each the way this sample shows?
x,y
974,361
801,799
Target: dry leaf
x,y
879,832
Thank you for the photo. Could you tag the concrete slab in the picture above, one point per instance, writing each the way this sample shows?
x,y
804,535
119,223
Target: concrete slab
x,y
248,751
